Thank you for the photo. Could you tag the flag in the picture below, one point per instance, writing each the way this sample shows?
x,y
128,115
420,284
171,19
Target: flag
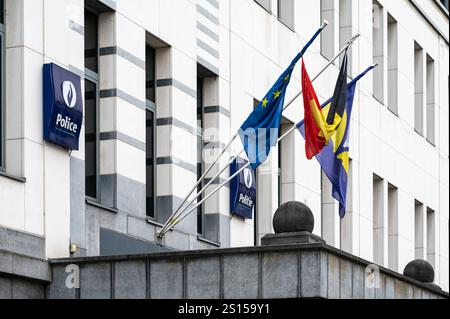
x,y
261,129
334,158
319,127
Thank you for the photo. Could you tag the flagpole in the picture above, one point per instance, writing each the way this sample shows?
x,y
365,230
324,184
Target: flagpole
x,y
200,180
231,161
185,214
174,221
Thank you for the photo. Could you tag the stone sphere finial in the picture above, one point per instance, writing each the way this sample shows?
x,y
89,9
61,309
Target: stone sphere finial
x,y
420,270
293,217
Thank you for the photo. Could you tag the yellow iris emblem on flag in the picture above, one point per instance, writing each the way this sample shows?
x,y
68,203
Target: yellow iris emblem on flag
x,y
287,78
327,131
264,102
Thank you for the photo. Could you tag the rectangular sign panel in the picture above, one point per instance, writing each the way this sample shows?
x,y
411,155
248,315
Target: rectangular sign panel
x,y
63,107
242,190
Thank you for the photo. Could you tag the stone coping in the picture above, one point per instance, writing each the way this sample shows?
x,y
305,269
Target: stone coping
x,y
247,250
21,266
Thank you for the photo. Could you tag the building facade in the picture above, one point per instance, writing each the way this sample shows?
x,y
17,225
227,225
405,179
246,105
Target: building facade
x,y
166,84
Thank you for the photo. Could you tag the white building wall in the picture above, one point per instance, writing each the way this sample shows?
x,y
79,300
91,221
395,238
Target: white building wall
x,y
254,48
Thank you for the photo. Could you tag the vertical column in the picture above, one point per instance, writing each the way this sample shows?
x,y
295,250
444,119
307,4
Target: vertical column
x,y
63,44
349,224
330,36
23,112
122,114
216,136
77,158
267,193
331,224
348,13
288,165
176,111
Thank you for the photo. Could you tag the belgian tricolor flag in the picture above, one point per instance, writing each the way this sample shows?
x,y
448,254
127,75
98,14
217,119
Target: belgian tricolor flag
x,y
320,125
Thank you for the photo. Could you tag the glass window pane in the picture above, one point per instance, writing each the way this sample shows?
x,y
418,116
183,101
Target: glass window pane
x,y
1,99
91,138
2,12
150,160
150,74
199,151
91,41
265,4
286,12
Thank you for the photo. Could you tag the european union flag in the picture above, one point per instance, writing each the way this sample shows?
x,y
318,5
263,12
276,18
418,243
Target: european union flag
x,y
334,158
261,129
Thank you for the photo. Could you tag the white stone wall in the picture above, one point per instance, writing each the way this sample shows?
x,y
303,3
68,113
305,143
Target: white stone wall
x,y
254,48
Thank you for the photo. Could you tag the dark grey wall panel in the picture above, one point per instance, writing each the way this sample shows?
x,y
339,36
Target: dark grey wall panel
x,y
113,243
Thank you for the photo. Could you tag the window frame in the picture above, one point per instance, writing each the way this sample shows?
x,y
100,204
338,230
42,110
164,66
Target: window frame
x,y
280,18
150,106
269,9
430,105
2,87
393,56
200,166
323,50
94,77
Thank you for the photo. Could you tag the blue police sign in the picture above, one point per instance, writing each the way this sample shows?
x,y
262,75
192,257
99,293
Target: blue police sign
x,y
242,190
63,107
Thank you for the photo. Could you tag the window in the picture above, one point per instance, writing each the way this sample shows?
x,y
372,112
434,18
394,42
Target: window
x,y
346,224
418,88
431,100
286,12
328,36
266,4
419,230
393,227
91,118
346,30
150,133
280,169
378,28
378,221
431,243
2,83
330,217
255,208
392,65
2,12
91,41
200,126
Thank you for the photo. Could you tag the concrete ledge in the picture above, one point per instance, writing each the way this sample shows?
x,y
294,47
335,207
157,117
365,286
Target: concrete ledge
x,y
283,271
25,267
22,243
291,238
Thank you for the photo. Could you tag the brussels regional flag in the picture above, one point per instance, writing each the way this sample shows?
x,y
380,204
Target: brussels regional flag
x,y
334,158
319,125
